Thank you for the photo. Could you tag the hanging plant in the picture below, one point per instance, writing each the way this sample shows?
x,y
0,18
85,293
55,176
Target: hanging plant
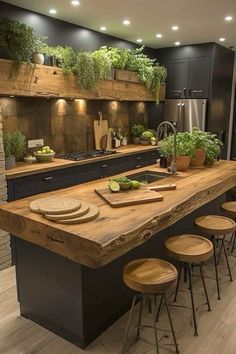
x,y
84,69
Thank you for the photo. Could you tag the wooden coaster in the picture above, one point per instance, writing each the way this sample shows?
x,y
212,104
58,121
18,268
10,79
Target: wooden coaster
x,y
59,205
92,214
84,208
35,204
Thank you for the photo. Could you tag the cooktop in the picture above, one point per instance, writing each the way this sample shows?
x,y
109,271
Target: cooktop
x,y
83,155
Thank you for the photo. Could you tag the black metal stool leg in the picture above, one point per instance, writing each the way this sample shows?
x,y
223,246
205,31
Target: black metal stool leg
x,y
177,286
171,324
192,300
128,325
159,308
234,239
139,319
154,324
205,289
216,267
226,258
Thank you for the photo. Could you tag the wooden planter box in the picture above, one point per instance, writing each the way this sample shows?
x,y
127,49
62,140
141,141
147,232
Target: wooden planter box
x,y
126,75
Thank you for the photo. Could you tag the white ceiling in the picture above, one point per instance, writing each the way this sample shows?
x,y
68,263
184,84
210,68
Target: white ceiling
x,y
198,20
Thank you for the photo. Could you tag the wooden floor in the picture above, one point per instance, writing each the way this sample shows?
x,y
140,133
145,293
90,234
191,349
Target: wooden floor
x,y
217,329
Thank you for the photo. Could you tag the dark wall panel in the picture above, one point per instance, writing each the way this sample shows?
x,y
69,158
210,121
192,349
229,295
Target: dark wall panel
x,y
64,33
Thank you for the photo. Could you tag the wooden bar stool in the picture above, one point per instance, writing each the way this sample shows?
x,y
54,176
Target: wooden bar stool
x,y
190,250
229,209
150,277
217,227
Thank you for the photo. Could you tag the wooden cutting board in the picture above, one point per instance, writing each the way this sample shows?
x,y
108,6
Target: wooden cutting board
x,y
100,129
84,208
92,213
128,197
58,205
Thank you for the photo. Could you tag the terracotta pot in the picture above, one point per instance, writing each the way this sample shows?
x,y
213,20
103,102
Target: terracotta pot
x,y
182,162
38,58
199,159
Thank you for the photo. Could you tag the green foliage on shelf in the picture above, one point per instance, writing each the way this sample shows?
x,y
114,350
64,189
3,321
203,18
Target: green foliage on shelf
x,y
65,56
102,65
19,40
137,130
14,144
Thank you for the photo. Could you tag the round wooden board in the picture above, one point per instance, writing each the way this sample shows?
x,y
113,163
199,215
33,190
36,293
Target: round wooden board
x,y
59,205
35,204
84,208
90,215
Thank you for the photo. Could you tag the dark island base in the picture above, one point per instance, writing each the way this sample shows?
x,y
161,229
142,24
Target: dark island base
x,y
76,302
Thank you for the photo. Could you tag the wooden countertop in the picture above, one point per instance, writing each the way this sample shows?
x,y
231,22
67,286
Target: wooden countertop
x,y
25,169
116,230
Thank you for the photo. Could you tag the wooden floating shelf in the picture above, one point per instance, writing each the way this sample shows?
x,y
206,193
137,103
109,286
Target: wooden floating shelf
x,y
48,81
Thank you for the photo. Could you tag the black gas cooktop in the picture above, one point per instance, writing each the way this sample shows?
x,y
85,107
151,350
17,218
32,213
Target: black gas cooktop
x,y
83,155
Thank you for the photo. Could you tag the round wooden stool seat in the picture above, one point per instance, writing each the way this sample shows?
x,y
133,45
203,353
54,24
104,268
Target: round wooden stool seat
x,y
229,208
150,275
215,224
189,248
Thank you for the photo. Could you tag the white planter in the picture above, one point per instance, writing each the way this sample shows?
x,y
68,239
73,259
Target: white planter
x,y
38,58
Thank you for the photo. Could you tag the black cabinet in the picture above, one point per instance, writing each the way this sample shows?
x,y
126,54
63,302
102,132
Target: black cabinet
x,y
188,78
141,160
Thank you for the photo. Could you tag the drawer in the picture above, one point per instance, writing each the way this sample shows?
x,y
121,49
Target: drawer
x,y
112,167
142,160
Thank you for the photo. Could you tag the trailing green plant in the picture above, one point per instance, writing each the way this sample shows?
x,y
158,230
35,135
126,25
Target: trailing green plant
x,y
102,65
84,69
18,40
155,76
184,145
14,144
137,130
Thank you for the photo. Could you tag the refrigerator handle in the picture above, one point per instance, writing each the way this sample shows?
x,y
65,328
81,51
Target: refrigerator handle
x,y
185,92
179,117
182,116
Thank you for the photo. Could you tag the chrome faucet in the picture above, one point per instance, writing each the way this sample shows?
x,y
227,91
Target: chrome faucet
x,y
173,162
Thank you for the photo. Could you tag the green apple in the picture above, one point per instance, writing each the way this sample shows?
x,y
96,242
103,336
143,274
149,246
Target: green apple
x,y
39,152
51,151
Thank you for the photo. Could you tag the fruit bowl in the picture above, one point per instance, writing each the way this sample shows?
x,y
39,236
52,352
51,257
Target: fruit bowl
x,y
44,157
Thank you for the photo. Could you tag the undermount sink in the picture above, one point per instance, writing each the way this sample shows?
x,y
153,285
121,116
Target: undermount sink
x,y
148,176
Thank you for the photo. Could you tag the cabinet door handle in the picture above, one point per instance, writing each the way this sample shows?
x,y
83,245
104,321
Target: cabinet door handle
x,y
46,179
176,91
197,91
138,158
104,166
138,166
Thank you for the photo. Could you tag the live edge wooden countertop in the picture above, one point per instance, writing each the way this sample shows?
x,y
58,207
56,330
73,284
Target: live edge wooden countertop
x,y
116,230
25,169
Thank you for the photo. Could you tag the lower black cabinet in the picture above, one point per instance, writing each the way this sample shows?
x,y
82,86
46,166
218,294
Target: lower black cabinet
x,y
141,160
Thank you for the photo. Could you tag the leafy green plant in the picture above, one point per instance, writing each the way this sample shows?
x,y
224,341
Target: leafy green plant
x,y
137,130
14,144
184,145
18,40
102,65
66,57
147,135
155,76
208,142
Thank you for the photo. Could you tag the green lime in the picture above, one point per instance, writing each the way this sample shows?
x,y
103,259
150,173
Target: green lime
x,y
136,184
114,186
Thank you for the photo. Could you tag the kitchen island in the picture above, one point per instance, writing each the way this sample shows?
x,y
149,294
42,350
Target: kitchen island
x,y
69,278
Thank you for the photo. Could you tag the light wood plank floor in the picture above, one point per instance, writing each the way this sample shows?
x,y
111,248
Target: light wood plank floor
x,y
217,329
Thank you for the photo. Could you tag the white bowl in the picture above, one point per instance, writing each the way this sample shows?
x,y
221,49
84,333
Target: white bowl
x,y
30,159
44,157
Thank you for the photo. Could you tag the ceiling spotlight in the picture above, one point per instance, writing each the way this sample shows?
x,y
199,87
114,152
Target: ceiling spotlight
x,y
222,39
174,28
177,43
158,35
75,2
126,22
228,18
139,40
53,11
103,28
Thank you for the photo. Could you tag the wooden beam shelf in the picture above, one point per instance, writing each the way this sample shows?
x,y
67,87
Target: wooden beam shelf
x,y
48,81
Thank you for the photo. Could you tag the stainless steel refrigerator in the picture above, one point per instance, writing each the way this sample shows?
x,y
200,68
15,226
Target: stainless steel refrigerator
x,y
186,114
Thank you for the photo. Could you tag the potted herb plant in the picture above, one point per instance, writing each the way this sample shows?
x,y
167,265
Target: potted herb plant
x,y
14,147
136,133
146,137
38,55
200,139
184,149
213,149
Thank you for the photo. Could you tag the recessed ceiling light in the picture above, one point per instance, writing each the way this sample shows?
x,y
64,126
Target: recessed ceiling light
x,y
126,22
228,18
75,2
139,40
174,28
177,43
222,39
103,28
53,11
158,35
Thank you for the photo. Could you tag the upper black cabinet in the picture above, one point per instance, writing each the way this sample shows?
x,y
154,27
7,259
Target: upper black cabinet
x,y
188,78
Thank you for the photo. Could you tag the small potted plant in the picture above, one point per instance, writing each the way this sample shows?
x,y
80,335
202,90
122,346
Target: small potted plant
x,y
14,147
213,149
200,139
136,133
146,138
39,45
184,149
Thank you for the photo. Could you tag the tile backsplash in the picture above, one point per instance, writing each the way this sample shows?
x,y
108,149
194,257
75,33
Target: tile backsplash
x,y
67,125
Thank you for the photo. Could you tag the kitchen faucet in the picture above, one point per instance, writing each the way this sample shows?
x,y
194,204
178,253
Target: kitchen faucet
x,y
173,162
